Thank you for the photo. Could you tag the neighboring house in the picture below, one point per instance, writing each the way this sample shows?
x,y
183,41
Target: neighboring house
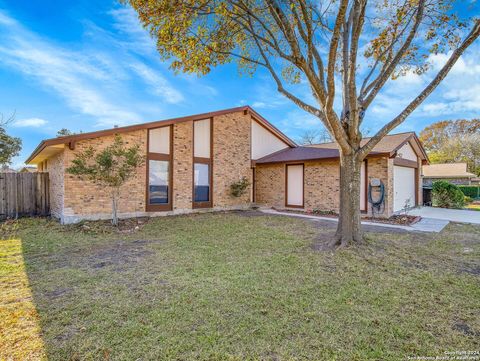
x,y
192,162
28,169
455,173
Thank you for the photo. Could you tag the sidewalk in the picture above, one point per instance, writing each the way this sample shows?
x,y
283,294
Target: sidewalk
x,y
424,225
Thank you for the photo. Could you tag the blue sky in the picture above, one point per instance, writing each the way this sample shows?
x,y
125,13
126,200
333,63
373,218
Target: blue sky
x,y
88,65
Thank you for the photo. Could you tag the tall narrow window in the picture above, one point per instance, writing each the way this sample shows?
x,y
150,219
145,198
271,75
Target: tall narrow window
x,y
202,163
159,173
158,182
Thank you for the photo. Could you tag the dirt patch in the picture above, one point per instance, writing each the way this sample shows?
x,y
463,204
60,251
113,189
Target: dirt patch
x,y
59,292
322,241
125,226
465,329
400,219
248,213
414,264
472,269
119,254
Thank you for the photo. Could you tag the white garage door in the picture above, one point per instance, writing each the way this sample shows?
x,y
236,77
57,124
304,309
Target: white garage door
x,y
403,187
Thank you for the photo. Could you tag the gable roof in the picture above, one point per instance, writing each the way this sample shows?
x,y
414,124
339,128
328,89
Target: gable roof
x,y
388,146
447,170
301,154
48,147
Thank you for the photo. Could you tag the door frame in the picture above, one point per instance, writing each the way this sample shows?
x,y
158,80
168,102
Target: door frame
x,y
303,185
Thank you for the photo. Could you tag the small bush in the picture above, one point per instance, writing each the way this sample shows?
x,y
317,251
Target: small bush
x,y
471,191
237,189
447,195
468,199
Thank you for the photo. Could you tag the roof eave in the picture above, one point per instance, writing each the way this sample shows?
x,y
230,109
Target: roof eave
x,y
130,128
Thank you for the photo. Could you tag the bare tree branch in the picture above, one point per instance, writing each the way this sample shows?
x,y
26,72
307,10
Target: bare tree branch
x,y
4,122
472,36
380,81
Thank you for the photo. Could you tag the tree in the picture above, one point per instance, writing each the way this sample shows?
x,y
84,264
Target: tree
x,y
314,136
436,135
318,43
64,132
110,167
9,146
451,141
465,148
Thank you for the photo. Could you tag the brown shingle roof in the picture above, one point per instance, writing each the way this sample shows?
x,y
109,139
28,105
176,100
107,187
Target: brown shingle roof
x,y
388,145
447,170
76,137
301,154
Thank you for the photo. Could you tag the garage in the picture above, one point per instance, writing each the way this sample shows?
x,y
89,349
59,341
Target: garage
x,y
403,187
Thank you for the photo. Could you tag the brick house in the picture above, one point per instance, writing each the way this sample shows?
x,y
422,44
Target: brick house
x,y
192,161
455,173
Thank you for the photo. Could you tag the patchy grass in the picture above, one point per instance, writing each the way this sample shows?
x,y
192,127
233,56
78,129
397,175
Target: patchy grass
x,y
234,286
473,206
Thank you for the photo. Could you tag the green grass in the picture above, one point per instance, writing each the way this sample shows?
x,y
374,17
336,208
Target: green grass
x,y
234,286
473,207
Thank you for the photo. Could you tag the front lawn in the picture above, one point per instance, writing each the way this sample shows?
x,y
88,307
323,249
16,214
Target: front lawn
x,y
234,286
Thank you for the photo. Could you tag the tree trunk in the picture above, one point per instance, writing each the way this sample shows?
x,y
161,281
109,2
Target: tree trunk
x,y
349,228
114,207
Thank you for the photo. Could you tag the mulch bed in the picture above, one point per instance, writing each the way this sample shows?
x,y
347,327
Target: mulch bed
x,y
401,219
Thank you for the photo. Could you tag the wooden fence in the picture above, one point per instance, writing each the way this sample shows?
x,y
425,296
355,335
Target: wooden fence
x,y
24,194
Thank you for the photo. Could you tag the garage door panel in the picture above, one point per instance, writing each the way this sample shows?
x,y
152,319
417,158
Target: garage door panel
x,y
403,187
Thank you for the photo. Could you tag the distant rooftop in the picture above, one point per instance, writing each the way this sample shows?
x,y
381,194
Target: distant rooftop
x,y
447,170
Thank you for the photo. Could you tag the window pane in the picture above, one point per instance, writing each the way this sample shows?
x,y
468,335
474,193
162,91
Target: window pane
x,y
202,182
159,140
201,141
158,182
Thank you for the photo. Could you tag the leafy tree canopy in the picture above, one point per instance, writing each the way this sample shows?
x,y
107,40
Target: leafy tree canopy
x,y
436,135
453,141
9,146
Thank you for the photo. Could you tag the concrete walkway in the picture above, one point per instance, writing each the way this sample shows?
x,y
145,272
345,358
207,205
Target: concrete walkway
x,y
453,215
424,225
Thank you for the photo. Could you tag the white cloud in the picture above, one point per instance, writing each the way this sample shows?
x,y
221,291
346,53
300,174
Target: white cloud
x,y
72,75
135,37
92,81
457,96
159,85
30,122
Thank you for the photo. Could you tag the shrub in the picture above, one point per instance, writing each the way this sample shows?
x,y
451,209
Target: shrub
x,y
471,191
237,189
467,199
447,195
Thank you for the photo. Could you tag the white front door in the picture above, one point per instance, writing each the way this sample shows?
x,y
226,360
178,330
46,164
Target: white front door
x,y
403,187
294,185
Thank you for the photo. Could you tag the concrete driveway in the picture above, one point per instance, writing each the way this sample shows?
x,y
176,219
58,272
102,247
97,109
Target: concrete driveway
x,y
453,215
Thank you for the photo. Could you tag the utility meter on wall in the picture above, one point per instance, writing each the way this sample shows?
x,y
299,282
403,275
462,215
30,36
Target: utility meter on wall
x,y
375,182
